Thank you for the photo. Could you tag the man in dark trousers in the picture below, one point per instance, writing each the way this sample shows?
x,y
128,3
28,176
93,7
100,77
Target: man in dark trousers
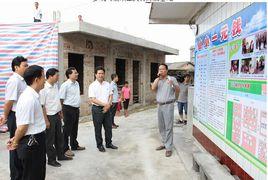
x,y
29,139
100,96
70,98
14,88
114,78
50,100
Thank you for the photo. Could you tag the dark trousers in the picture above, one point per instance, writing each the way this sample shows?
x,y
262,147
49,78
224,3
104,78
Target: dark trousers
x,y
113,111
54,138
33,157
70,128
14,162
99,119
37,20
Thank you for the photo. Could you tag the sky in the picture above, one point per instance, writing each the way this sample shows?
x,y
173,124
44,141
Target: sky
x,y
127,17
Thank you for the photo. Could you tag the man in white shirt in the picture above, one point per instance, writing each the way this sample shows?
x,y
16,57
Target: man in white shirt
x,y
37,13
100,95
50,100
14,88
29,139
70,99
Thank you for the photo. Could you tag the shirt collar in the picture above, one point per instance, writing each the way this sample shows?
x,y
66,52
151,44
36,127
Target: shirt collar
x,y
19,76
99,82
70,81
48,85
33,91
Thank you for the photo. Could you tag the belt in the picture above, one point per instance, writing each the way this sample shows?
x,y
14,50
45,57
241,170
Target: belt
x,y
98,106
168,102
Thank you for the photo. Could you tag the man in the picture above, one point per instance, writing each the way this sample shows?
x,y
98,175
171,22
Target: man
x,y
80,19
100,95
14,88
29,139
37,13
114,78
49,98
70,99
182,99
165,87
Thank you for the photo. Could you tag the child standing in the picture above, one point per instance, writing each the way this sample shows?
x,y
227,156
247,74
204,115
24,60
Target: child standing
x,y
125,95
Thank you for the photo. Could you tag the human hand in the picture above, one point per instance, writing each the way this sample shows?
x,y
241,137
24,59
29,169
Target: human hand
x,y
11,145
3,120
47,124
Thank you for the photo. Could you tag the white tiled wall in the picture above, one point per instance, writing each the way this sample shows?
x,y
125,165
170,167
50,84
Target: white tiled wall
x,y
215,13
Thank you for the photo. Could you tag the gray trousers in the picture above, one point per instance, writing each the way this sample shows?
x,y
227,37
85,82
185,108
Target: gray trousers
x,y
165,124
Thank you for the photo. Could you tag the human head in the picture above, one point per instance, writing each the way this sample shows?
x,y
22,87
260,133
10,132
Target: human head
x,y
114,77
71,74
19,65
163,69
187,78
34,76
99,73
80,17
36,4
126,84
52,75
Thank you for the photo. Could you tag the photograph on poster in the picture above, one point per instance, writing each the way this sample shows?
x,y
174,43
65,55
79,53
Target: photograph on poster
x,y
248,45
261,40
246,67
259,64
234,67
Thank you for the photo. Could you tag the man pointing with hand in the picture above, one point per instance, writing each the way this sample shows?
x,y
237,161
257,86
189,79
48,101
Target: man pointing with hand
x,y
165,87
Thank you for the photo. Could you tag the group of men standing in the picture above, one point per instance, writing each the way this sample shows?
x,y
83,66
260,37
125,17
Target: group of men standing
x,y
34,109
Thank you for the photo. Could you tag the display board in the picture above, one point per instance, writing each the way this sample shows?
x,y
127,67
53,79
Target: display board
x,y
230,85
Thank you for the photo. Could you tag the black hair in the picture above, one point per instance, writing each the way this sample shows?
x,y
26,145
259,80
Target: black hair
x,y
17,61
31,73
69,71
163,64
99,68
126,82
113,76
51,72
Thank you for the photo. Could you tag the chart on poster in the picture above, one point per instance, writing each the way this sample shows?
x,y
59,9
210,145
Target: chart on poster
x,y
231,81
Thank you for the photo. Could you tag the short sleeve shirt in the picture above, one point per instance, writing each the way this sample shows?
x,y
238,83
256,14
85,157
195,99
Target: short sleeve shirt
x,y
183,95
70,93
29,112
100,91
115,92
14,88
165,91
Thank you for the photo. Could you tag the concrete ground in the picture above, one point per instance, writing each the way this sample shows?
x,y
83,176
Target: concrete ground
x,y
136,158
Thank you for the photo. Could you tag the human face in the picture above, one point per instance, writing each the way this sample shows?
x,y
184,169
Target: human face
x,y
54,78
116,79
100,75
40,81
36,4
74,75
21,68
162,71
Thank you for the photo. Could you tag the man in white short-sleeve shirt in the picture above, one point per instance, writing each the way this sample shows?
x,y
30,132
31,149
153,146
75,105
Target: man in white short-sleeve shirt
x,y
14,88
29,139
50,100
70,99
37,13
100,96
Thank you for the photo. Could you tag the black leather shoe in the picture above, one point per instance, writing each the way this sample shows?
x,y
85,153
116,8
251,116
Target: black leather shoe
x,y
64,158
111,146
101,149
54,163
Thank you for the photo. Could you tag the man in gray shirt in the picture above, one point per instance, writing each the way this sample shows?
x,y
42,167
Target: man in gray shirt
x,y
182,99
165,87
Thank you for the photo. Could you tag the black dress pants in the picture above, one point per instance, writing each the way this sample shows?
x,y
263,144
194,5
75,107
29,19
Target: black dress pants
x,y
102,119
70,128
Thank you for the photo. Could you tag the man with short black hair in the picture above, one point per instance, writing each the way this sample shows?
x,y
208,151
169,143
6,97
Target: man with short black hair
x,y
114,78
100,96
29,139
14,88
37,12
70,99
165,87
49,98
